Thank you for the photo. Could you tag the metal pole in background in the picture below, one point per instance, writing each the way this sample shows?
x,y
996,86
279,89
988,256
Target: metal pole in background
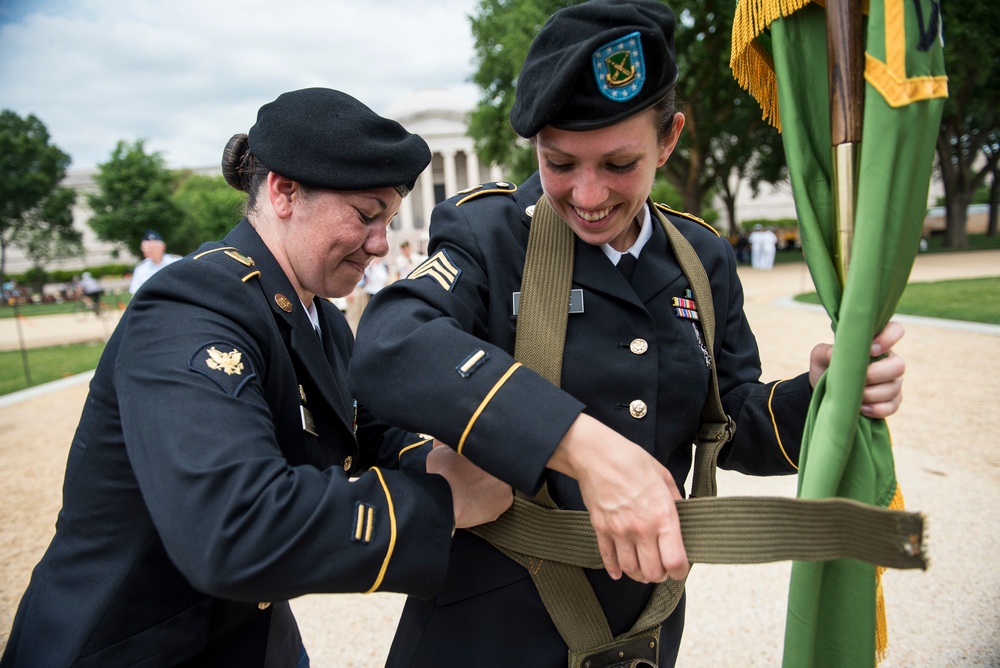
x,y
24,348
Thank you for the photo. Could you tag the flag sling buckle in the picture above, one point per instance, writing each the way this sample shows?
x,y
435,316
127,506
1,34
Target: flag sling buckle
x,y
639,651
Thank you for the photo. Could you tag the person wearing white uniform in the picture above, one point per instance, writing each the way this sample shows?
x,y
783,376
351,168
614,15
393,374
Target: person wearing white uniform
x,y
154,251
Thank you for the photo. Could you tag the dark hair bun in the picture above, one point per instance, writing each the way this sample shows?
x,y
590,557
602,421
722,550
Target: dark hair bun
x,y
235,162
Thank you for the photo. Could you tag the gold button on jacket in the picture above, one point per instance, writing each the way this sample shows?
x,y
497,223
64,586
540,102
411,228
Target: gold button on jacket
x,y
637,409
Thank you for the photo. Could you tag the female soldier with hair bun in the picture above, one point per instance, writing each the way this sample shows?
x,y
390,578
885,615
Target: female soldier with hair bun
x,y
208,481
596,97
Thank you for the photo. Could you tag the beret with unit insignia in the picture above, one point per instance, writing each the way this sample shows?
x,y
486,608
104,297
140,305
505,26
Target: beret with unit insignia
x,y
595,64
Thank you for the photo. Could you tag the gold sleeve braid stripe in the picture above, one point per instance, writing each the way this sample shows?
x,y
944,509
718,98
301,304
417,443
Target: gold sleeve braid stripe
x,y
411,447
438,267
482,406
392,533
774,422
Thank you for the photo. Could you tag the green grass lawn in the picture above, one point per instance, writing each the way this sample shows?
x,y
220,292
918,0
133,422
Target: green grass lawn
x,y
31,310
971,299
46,364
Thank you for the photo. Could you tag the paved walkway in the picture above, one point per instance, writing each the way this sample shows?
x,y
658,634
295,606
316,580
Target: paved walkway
x,y
948,464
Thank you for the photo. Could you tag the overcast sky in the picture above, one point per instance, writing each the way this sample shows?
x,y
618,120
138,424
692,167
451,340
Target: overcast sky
x,y
185,75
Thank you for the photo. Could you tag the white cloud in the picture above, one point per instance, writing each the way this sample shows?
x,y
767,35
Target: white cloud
x,y
186,75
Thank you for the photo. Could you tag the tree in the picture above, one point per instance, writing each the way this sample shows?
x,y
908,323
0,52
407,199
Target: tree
x,y
209,209
53,237
503,31
968,144
134,196
31,200
720,116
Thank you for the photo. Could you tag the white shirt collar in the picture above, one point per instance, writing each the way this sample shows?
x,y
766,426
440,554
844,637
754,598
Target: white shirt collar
x,y
313,315
645,234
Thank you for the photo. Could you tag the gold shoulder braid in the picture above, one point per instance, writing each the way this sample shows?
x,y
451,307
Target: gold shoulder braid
x,y
689,216
233,253
487,189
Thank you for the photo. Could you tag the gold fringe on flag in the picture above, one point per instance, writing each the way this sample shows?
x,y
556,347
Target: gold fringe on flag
x,y
752,66
881,626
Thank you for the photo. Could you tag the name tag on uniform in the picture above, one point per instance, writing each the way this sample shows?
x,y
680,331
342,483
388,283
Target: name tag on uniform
x,y
575,301
308,423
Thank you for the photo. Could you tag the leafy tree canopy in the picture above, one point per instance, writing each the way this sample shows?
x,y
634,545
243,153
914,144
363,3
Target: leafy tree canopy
x,y
33,206
209,208
968,144
134,196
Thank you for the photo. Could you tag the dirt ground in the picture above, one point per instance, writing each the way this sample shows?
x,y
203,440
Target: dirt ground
x,y
948,463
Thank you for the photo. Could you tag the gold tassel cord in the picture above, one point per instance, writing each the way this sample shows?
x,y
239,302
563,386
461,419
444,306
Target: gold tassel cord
x,y
752,66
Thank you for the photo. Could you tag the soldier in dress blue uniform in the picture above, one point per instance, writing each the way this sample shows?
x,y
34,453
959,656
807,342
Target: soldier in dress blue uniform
x,y
208,481
596,97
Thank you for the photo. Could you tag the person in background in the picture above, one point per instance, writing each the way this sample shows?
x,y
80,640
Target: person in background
x,y
155,257
407,260
91,290
221,466
595,97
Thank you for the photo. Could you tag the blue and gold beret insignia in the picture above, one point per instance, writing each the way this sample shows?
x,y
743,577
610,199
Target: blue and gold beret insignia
x,y
438,267
224,364
620,68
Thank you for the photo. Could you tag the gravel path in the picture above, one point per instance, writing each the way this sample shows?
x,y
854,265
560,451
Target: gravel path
x,y
948,465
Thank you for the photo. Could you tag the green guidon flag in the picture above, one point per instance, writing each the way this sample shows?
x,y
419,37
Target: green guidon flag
x,y
835,614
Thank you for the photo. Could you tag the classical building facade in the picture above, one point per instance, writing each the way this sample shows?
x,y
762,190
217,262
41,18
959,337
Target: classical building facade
x,y
441,118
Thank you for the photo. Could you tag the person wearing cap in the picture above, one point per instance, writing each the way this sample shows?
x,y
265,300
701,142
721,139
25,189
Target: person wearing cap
x,y
155,257
596,97
221,466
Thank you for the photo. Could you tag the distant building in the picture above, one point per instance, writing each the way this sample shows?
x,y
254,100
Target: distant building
x,y
441,118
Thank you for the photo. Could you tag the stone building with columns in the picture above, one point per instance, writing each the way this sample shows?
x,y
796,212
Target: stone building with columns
x,y
441,118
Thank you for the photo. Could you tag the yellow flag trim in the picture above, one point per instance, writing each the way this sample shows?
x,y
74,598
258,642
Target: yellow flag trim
x,y
753,67
889,78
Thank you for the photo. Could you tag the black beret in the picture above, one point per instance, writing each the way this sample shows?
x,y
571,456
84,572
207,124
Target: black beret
x,y
595,64
326,139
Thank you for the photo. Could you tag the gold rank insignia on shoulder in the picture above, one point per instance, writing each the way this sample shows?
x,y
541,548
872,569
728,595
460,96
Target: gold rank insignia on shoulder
x,y
228,362
240,257
438,267
689,216
487,189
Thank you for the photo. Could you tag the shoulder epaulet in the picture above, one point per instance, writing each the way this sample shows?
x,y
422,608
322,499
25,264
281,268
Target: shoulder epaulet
x,y
233,253
504,187
689,216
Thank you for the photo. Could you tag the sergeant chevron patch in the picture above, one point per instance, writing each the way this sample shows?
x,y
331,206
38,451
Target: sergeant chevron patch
x,y
440,268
